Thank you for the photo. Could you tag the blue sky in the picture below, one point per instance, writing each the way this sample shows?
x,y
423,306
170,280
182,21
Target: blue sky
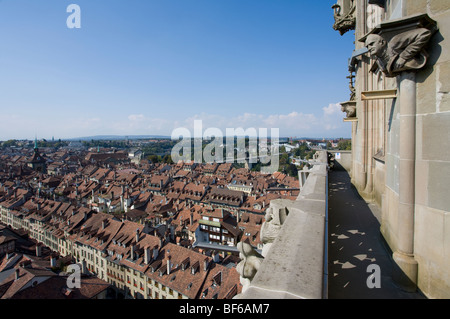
x,y
147,67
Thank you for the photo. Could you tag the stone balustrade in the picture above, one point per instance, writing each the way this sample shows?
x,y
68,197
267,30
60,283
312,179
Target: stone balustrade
x,y
292,264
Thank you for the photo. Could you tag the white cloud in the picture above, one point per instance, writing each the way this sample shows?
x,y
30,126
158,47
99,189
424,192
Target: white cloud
x,y
332,109
136,117
333,118
290,124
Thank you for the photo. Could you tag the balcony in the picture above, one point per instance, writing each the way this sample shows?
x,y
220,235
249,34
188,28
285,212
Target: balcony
x,y
323,246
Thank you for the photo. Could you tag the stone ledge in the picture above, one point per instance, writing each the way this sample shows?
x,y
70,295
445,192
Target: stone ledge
x,y
294,266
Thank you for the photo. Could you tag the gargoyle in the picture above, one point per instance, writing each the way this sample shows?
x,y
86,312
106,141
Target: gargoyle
x,y
404,52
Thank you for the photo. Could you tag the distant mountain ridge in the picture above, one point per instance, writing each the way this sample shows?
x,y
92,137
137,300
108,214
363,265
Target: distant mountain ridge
x,y
116,137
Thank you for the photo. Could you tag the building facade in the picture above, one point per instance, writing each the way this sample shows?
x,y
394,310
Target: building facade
x,y
399,112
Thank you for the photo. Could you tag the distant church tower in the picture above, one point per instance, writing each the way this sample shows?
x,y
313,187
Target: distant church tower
x,y
248,164
37,162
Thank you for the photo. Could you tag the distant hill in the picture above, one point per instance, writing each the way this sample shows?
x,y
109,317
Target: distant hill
x,y
117,137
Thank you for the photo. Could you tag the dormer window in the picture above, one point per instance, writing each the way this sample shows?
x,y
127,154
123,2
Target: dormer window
x,y
194,268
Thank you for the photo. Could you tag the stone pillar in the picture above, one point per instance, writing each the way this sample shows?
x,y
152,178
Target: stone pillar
x,y
369,152
359,145
405,271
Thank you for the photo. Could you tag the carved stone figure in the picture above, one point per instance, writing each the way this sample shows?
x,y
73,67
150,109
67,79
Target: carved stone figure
x,y
344,16
275,217
404,52
249,265
351,86
251,260
349,108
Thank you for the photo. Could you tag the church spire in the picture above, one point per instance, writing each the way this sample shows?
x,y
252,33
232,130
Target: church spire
x,y
35,143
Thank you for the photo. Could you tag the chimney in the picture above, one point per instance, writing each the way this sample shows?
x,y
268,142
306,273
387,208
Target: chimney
x,y
17,274
104,224
132,252
205,264
147,255
191,219
155,252
194,268
168,265
137,235
52,261
38,250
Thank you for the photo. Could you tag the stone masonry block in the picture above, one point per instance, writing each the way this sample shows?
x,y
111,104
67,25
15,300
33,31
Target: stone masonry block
x,y
436,138
437,6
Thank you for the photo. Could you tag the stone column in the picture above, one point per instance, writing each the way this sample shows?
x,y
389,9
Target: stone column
x,y
405,271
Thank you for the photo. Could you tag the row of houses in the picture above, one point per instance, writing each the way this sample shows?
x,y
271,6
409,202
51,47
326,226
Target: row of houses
x,y
130,257
137,226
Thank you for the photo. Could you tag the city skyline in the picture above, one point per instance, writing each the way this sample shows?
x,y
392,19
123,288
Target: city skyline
x,y
148,68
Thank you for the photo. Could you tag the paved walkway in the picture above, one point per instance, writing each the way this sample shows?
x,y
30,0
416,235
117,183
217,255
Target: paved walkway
x,y
354,243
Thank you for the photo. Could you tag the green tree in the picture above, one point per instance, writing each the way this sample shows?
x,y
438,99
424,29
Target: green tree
x,y
292,170
10,143
345,145
167,159
154,158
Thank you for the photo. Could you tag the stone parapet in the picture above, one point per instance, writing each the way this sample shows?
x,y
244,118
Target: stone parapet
x,y
292,265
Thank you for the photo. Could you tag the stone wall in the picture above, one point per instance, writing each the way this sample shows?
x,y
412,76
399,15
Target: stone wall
x,y
379,141
432,204
344,162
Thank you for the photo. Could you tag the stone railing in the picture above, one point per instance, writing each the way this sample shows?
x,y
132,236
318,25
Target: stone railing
x,y
292,264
